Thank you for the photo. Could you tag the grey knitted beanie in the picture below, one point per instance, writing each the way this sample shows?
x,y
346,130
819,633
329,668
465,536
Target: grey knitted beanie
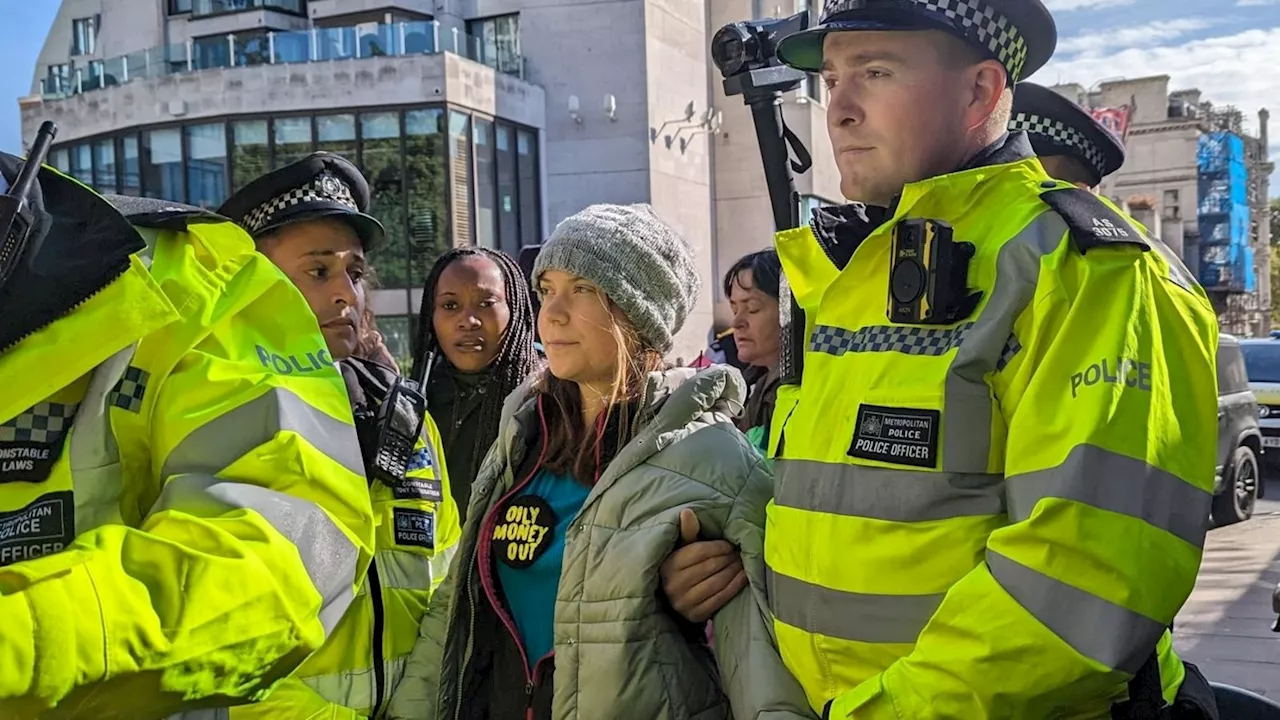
x,y
644,267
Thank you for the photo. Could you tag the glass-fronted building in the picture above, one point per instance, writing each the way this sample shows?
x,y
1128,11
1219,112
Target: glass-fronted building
x,y
426,165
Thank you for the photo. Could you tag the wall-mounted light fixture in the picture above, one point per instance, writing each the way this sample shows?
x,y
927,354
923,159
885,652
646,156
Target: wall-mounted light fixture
x,y
709,126
573,109
611,107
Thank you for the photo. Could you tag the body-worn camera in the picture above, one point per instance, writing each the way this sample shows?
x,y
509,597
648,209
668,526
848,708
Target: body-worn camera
x,y
928,274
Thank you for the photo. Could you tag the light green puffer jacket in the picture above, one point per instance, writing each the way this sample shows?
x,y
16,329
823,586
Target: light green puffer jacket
x,y
619,654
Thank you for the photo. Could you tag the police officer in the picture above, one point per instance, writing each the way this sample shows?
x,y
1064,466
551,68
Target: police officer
x,y
994,473
1070,143
311,219
183,514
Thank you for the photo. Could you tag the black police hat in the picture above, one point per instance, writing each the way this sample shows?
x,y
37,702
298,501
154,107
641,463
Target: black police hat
x,y
1020,34
320,185
1057,126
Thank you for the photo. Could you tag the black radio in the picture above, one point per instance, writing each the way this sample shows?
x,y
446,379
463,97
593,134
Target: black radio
x,y
928,273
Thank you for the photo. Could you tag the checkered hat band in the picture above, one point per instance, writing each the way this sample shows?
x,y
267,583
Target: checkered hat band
x,y
324,188
1061,134
974,18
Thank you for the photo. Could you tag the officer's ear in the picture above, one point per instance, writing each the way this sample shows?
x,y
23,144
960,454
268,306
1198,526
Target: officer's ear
x,y
989,97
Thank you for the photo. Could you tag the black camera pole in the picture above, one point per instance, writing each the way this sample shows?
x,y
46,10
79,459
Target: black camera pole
x,y
761,90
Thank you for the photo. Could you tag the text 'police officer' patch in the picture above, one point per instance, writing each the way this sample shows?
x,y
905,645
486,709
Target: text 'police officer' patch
x,y
1092,222
32,442
523,531
43,527
416,528
903,436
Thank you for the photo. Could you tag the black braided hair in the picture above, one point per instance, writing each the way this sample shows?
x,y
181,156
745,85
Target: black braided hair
x,y
516,358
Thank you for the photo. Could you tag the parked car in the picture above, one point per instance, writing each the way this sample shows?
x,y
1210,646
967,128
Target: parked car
x,y
1241,442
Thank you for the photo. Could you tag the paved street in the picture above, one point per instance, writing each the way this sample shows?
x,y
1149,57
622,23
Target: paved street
x,y
1225,627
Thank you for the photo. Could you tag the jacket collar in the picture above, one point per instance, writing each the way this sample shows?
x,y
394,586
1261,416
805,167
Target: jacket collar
x,y
841,228
673,400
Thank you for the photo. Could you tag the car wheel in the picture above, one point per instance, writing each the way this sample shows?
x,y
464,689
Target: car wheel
x,y
1235,503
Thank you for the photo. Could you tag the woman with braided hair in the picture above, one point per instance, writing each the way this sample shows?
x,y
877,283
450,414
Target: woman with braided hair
x,y
474,345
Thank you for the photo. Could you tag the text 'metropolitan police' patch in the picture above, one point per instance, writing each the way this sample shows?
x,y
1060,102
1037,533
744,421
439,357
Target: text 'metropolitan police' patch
x,y
523,533
903,436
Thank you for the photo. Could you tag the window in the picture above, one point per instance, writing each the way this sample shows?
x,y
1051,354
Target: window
x,y
381,162
1262,360
104,166
61,159
486,179
96,78
179,6
495,42
249,152
130,167
508,214
527,174
397,332
293,140
84,35
210,52
207,165
1172,210
82,163
460,175
58,80
337,134
425,155
162,164
1232,375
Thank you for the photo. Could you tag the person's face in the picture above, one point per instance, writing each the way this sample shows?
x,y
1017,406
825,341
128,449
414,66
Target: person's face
x,y
755,322
576,324
471,312
325,261
1065,167
895,112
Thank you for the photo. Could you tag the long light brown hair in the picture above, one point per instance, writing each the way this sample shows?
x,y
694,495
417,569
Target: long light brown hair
x,y
571,447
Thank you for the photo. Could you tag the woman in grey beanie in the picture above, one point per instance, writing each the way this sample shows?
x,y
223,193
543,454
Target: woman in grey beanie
x,y
553,608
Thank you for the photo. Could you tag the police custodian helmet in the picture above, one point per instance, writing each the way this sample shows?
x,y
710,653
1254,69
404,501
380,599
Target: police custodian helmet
x,y
1057,126
1020,34
318,186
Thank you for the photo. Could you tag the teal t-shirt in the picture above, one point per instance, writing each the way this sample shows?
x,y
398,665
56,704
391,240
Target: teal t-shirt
x,y
528,545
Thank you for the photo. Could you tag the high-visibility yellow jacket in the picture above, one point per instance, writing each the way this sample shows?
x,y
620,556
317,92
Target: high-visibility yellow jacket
x,y
183,511
996,518
357,670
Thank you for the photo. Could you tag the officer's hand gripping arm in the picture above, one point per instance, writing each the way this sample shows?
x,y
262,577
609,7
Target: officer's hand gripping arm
x,y
1110,410
240,556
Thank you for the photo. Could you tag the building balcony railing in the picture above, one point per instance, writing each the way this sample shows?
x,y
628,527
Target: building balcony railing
x,y
203,8
246,49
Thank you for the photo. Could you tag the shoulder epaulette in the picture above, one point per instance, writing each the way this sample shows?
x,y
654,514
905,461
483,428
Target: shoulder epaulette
x,y
161,214
1093,223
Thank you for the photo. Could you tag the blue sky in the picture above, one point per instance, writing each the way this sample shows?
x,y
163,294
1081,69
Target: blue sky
x,y
22,33
1229,49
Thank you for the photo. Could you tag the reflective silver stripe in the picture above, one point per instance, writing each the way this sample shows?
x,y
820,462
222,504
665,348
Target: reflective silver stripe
x,y
94,455
1100,630
213,446
1125,485
848,615
329,557
354,688
399,570
968,404
885,494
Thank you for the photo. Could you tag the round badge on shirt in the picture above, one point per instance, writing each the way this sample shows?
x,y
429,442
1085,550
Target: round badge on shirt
x,y
523,532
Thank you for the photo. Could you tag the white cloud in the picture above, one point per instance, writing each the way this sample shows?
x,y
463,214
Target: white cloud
x,y
1229,70
1256,3
1133,37
1069,5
